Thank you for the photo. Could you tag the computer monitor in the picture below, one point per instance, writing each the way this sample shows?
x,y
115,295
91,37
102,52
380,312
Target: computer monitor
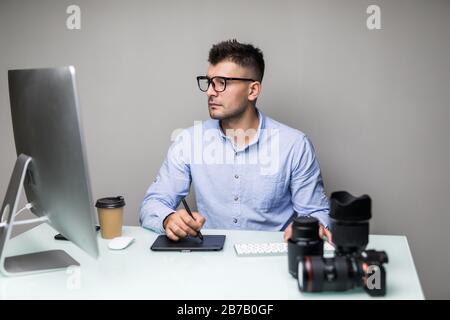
x,y
51,166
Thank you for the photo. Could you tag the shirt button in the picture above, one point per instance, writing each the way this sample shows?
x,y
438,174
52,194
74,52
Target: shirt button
x,y
236,198
236,176
235,220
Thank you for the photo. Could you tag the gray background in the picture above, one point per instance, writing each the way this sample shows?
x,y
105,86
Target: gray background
x,y
374,103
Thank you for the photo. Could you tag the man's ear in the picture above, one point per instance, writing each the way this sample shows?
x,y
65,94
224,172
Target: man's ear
x,y
254,90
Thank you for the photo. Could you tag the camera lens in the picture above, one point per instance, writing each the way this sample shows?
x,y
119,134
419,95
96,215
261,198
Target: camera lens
x,y
305,241
317,274
349,217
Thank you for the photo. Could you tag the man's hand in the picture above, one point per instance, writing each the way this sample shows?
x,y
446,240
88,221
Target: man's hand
x,y
327,233
180,224
322,232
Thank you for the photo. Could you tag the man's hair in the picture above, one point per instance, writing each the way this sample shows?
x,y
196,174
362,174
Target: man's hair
x,y
244,55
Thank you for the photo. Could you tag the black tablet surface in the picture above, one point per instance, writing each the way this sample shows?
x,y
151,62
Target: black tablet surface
x,y
209,243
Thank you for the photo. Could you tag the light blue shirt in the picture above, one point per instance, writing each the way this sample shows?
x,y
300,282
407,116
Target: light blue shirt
x,y
258,187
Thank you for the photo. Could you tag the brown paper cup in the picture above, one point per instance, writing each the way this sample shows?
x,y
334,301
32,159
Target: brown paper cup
x,y
111,221
110,216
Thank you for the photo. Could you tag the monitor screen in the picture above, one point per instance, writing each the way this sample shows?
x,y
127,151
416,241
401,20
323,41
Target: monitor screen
x,y
46,121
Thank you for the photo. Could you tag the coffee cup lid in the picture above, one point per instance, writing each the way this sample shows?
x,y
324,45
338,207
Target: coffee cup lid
x,y
110,202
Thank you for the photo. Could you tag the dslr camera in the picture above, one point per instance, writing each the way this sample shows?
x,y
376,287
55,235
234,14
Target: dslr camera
x,y
352,265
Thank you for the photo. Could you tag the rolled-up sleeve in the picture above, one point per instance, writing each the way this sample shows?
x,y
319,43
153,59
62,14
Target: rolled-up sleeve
x,y
170,186
307,189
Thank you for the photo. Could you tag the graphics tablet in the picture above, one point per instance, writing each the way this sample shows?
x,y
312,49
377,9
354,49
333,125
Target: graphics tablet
x,y
209,243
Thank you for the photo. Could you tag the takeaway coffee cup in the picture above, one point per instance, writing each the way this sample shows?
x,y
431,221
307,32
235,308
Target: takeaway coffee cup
x,y
110,216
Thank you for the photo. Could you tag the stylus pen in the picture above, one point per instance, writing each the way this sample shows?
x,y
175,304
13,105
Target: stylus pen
x,y
199,234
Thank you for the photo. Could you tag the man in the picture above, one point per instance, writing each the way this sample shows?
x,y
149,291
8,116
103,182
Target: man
x,y
249,171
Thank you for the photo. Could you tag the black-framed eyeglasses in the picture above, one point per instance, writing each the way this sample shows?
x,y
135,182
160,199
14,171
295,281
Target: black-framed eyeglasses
x,y
219,83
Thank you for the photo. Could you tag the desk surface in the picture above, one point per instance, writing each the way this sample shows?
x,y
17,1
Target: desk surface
x,y
139,273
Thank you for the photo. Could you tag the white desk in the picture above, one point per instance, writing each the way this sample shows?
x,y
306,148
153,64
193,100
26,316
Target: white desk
x,y
139,273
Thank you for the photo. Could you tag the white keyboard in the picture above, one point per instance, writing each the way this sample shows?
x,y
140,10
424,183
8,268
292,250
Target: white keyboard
x,y
269,249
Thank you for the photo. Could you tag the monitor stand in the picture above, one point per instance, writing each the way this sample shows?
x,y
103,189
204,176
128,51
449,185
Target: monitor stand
x,y
44,261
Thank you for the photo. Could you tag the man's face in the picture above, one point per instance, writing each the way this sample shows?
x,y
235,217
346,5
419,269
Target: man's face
x,y
234,100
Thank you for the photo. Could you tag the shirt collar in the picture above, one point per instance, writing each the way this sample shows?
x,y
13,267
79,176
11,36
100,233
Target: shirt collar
x,y
261,125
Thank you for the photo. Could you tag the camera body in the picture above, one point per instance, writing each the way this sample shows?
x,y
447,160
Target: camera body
x,y
344,272
352,266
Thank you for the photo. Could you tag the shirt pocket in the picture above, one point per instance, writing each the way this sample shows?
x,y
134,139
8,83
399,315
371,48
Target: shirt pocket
x,y
267,191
